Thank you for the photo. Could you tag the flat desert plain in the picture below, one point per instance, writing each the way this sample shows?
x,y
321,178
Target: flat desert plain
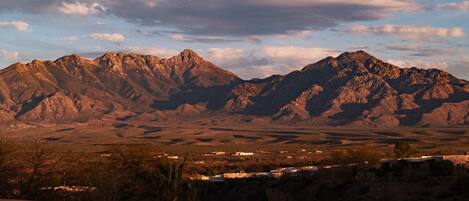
x,y
181,138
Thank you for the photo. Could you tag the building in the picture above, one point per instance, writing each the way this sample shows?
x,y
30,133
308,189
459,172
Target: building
x,y
173,157
217,153
236,175
244,154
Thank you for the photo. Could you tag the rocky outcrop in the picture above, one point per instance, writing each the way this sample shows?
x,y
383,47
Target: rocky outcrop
x,y
358,89
73,88
354,88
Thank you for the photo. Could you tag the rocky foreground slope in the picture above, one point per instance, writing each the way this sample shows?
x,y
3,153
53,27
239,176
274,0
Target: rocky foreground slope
x,y
353,89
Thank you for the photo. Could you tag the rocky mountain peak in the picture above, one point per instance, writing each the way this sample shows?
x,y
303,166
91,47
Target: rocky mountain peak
x,y
354,88
71,60
359,56
187,56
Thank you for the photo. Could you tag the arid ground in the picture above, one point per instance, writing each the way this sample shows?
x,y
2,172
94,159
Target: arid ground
x,y
204,138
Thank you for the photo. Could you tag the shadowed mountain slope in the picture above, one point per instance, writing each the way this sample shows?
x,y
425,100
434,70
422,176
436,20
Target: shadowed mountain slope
x,y
353,89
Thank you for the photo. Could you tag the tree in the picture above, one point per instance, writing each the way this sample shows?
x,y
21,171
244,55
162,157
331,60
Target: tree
x,y
37,164
7,166
402,149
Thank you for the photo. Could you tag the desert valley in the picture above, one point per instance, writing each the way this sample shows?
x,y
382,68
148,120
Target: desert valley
x,y
187,109
247,100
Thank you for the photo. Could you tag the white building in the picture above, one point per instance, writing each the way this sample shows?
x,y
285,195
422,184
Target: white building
x,y
244,154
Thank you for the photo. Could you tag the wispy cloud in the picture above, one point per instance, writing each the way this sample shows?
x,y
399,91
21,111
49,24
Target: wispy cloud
x,y
417,51
402,47
77,8
409,31
71,39
8,54
464,5
466,60
200,39
157,51
110,37
177,37
151,3
226,17
267,60
417,63
18,25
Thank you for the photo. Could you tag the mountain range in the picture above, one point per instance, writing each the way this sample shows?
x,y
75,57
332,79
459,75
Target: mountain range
x,y
353,89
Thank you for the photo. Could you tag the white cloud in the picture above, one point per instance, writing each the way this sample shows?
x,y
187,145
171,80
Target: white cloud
x,y
83,9
111,37
151,3
177,37
387,4
417,63
409,31
18,25
294,35
8,54
157,51
225,56
466,60
261,71
71,39
265,61
296,55
464,5
405,47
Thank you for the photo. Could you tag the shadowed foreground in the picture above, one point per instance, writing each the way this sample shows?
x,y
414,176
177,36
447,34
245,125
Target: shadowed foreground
x,y
33,170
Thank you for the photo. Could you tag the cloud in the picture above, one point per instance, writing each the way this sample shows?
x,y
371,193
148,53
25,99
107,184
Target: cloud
x,y
83,9
18,25
304,34
177,37
157,51
389,5
417,51
402,47
198,39
296,55
227,17
247,17
466,60
111,37
355,48
8,54
71,39
151,3
434,52
460,68
409,31
464,5
417,63
265,61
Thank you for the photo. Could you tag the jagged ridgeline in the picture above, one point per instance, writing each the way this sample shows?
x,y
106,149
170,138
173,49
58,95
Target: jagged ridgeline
x,y
354,88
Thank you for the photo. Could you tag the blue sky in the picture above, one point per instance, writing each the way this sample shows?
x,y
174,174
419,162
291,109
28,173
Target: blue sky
x,y
253,38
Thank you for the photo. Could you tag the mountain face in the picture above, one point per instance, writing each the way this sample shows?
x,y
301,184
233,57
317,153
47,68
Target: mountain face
x,y
353,89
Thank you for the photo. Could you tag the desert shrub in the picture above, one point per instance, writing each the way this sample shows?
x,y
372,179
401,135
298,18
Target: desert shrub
x,y
442,168
402,149
362,157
